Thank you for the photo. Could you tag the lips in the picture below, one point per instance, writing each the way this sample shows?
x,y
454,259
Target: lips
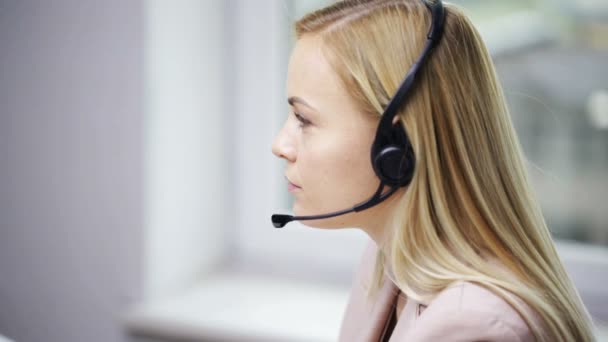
x,y
292,183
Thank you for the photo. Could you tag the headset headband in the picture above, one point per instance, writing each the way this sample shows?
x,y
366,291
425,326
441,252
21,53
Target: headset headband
x,y
433,37
385,134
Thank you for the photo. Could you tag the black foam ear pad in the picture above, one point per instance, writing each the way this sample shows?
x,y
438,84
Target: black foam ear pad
x,y
392,155
393,165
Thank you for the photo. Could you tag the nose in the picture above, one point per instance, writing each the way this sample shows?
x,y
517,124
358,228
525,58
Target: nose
x,y
283,146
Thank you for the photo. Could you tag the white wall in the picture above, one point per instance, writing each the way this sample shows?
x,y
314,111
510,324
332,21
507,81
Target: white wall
x,y
70,168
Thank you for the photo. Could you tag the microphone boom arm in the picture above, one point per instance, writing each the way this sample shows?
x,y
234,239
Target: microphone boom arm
x,y
279,221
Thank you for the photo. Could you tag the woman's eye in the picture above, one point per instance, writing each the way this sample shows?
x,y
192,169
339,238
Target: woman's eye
x,y
303,122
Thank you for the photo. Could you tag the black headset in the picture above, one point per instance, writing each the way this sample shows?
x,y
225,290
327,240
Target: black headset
x,y
392,156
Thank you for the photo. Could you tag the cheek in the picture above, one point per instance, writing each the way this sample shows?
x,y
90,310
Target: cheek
x,y
338,173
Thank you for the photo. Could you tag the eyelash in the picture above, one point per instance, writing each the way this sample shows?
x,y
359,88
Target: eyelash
x,y
303,122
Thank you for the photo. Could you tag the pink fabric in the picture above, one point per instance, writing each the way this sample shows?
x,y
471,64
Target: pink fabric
x,y
462,312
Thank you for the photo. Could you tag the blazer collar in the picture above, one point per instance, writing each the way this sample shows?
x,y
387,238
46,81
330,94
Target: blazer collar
x,y
382,308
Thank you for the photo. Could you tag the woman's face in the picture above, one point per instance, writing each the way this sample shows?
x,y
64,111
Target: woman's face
x,y
326,141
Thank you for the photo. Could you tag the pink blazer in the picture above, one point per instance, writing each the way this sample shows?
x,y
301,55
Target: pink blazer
x,y
462,312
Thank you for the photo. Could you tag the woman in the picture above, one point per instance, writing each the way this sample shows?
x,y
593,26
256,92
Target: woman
x,y
460,250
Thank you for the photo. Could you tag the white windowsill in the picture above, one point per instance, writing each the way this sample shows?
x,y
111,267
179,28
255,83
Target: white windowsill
x,y
233,307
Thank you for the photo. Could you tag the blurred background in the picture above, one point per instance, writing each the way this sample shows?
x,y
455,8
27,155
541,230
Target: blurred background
x,y
137,180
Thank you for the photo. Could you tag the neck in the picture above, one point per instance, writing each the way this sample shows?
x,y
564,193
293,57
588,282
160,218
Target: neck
x,y
376,225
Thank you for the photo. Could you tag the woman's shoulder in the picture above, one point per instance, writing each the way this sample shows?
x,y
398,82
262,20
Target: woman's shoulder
x,y
464,311
467,311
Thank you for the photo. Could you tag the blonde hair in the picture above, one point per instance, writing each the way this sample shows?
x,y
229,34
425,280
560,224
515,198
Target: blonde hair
x,y
470,199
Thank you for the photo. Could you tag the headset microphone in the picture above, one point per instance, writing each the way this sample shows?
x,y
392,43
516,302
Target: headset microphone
x,y
392,156
280,220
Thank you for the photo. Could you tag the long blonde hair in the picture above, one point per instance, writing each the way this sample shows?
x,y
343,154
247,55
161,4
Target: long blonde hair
x,y
470,199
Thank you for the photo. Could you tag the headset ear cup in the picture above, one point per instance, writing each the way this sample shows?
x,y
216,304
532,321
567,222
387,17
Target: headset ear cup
x,y
394,166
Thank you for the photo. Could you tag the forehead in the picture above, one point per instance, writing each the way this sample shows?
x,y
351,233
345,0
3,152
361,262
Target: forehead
x,y
311,77
308,56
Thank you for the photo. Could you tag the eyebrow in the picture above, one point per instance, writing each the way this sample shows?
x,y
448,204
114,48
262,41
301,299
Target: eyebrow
x,y
294,99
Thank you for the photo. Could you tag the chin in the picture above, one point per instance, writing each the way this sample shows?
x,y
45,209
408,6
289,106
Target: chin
x,y
320,224
337,222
